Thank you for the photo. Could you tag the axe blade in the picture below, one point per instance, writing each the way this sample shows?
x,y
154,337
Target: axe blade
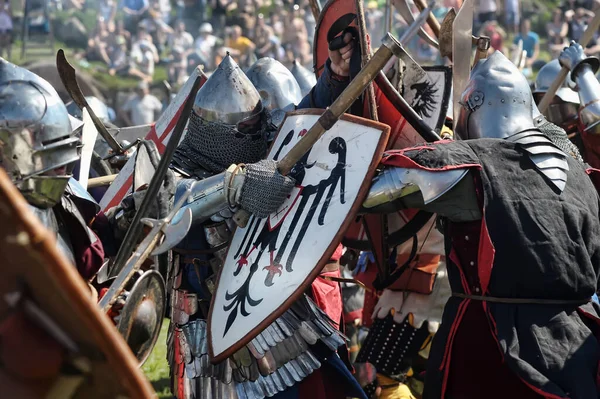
x,y
174,233
462,41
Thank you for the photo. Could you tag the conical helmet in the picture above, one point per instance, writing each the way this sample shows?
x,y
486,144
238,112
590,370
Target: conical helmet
x,y
497,102
276,85
227,126
38,147
305,78
228,96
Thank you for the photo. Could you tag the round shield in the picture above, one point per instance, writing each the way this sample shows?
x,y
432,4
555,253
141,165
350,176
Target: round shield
x,y
142,315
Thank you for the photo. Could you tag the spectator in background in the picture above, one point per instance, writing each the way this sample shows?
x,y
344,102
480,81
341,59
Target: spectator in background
x,y
142,108
143,57
107,9
267,44
277,23
531,44
557,30
180,37
164,8
116,31
204,47
181,45
487,11
511,15
578,21
219,14
119,62
156,27
496,34
6,28
240,47
296,41
97,49
135,11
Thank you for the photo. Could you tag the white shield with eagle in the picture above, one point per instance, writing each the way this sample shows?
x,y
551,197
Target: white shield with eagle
x,y
272,261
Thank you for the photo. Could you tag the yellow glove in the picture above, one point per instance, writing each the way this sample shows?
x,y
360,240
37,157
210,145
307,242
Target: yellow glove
x,y
391,389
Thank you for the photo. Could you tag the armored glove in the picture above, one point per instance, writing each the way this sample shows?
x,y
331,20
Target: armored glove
x,y
258,188
573,58
418,307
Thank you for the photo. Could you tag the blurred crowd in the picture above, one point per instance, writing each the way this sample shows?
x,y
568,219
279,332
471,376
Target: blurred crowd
x,y
152,32
130,38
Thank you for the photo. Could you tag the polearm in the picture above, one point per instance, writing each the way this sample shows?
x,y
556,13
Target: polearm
x,y
389,47
584,40
366,56
135,229
315,8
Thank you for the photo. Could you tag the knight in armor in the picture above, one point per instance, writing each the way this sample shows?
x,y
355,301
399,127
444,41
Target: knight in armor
x,y
583,77
520,219
573,107
404,313
231,127
39,151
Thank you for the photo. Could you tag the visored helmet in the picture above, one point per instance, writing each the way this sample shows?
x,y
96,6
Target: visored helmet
x,y
37,145
497,101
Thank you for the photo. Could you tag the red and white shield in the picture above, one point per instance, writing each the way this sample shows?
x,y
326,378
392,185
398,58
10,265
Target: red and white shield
x,y
159,132
272,261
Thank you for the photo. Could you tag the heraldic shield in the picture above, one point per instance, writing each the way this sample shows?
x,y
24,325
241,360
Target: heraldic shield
x,y
55,340
272,261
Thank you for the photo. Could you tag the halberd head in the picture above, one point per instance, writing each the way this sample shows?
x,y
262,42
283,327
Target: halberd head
x,y
37,145
497,101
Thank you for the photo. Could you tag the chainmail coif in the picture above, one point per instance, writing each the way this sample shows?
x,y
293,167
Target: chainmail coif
x,y
559,137
214,146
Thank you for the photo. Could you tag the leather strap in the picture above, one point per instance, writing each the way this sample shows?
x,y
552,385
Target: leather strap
x,y
522,301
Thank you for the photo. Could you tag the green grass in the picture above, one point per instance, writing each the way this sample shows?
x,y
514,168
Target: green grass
x,y
156,367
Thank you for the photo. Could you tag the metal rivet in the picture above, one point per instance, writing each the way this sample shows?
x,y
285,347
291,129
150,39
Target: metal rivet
x,y
467,238
502,100
472,263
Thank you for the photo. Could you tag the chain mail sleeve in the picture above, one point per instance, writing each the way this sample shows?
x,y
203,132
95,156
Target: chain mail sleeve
x,y
560,139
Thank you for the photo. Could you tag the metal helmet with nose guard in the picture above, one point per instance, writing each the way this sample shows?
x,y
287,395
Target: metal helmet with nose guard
x,y
37,145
